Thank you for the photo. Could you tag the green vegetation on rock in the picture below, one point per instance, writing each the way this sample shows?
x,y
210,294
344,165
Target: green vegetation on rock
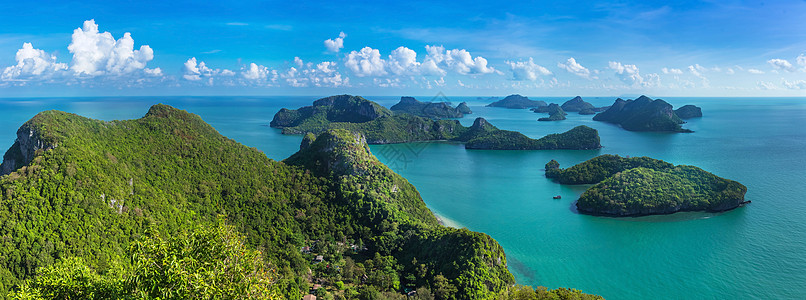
x,y
110,184
402,128
642,114
645,186
435,110
517,102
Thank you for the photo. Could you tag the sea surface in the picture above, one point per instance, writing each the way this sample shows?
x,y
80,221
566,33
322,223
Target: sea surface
x,y
754,252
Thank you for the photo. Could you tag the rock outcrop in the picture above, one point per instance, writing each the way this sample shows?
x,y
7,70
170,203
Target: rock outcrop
x,y
25,147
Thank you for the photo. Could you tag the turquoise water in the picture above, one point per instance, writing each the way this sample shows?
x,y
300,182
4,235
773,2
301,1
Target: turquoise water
x,y
758,251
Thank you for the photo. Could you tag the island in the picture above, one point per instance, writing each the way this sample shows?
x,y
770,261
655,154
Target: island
x,y
642,114
434,110
556,113
517,102
381,126
688,112
164,204
576,104
642,186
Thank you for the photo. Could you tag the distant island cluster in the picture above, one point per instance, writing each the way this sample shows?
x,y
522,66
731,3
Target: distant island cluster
x,y
641,114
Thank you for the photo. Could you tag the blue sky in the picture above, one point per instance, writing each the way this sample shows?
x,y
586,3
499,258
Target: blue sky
x,y
684,48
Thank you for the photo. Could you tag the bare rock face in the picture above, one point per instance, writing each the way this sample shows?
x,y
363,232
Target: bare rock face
x,y
24,149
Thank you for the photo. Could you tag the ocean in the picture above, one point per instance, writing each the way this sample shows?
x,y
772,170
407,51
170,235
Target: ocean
x,y
756,251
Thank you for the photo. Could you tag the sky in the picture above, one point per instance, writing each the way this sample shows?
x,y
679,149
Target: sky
x,y
468,48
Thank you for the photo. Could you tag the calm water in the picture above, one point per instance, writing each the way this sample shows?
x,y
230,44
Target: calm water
x,y
758,251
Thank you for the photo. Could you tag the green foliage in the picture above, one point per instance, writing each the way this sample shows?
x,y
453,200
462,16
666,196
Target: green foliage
x,y
207,263
516,101
110,184
644,191
578,138
642,186
601,167
520,292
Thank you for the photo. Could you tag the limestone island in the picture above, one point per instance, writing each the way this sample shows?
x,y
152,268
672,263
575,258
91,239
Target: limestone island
x,y
517,102
583,108
382,126
642,186
434,110
556,113
642,114
688,112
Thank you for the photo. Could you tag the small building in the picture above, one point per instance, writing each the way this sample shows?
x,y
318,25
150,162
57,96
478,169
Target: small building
x,y
305,250
309,297
319,259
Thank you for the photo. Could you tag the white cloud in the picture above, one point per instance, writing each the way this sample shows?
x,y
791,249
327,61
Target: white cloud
x,y
730,71
367,62
575,68
781,64
627,73
404,61
32,64
255,72
766,85
323,74
755,71
527,70
801,60
196,71
459,60
697,70
96,53
334,45
795,85
672,71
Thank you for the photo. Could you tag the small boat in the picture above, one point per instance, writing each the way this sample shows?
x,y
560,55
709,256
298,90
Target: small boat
x,y
558,197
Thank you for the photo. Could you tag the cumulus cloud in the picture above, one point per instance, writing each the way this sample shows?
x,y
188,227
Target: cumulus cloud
x,y
573,67
672,71
527,70
323,74
98,53
196,71
459,60
255,72
781,64
367,62
32,63
403,61
755,71
795,85
627,73
334,45
801,60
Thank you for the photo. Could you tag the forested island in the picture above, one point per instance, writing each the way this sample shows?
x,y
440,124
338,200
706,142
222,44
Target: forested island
x,y
382,126
643,114
556,113
517,102
434,110
166,207
576,104
641,186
